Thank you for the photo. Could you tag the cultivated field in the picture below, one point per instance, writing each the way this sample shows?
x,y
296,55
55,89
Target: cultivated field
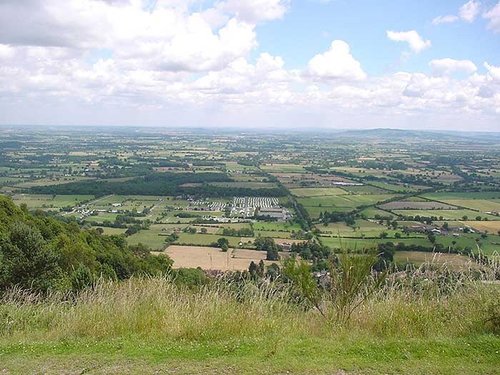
x,y
409,205
453,261
211,258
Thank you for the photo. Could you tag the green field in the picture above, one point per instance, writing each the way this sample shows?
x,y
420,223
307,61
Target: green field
x,y
317,192
446,214
284,168
488,245
275,226
315,205
49,201
361,244
453,261
199,239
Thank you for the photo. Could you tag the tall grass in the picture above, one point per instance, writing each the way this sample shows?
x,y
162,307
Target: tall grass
x,y
414,304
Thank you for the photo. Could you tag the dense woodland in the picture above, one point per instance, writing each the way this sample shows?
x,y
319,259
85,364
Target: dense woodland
x,y
161,184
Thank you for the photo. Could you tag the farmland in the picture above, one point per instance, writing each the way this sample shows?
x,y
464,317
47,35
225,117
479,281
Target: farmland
x,y
210,258
184,238
185,189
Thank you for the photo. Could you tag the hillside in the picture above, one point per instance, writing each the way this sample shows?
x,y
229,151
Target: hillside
x,y
42,253
90,319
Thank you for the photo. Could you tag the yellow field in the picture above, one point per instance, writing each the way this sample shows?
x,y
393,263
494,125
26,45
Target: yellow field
x,y
211,258
490,226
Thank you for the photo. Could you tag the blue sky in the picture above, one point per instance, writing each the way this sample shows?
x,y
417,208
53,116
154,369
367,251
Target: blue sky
x,y
309,27
251,63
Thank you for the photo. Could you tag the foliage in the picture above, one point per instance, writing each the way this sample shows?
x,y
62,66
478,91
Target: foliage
x,y
160,184
40,253
349,283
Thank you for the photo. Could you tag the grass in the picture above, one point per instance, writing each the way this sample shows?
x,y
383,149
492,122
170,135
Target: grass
x,y
148,325
276,226
482,205
283,167
463,195
49,201
418,258
317,192
446,214
348,201
359,243
490,226
199,239
488,245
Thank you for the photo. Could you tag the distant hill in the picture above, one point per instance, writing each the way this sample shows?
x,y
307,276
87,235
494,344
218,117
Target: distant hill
x,y
386,133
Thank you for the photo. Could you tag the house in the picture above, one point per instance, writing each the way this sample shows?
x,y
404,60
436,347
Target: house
x,y
285,246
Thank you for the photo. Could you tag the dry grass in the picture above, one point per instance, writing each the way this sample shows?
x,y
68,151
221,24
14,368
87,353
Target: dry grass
x,y
150,320
482,226
211,258
452,261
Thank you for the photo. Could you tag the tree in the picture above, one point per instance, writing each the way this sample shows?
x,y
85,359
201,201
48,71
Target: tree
x,y
27,261
272,271
223,243
261,269
252,269
272,254
81,278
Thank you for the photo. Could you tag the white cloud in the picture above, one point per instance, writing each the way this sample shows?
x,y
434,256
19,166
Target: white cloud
x,y
414,40
336,63
449,66
119,62
168,37
254,11
493,17
493,71
444,19
6,51
469,11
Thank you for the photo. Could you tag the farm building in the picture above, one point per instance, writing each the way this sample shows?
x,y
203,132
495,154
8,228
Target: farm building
x,y
275,213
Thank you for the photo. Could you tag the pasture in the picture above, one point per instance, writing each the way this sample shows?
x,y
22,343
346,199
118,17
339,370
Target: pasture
x,y
358,244
412,205
34,201
317,192
283,168
452,261
446,214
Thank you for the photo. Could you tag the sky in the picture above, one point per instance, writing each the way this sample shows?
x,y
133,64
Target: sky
x,y
263,64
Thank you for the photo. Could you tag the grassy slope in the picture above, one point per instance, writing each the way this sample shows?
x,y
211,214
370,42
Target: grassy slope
x,y
308,356
147,326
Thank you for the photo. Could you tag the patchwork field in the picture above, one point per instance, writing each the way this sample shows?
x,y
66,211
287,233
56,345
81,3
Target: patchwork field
x,y
484,226
211,258
453,261
446,214
314,205
317,192
408,205
367,244
34,201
